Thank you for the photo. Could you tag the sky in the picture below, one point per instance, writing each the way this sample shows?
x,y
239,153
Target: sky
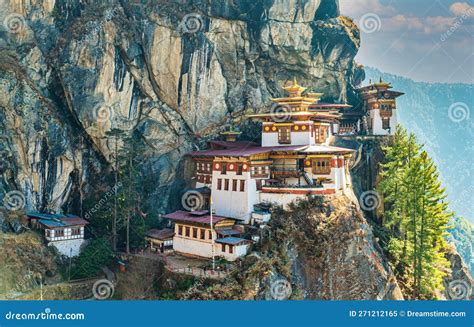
x,y
426,40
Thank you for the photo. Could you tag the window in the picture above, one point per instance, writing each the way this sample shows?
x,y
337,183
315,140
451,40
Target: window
x,y
76,231
242,185
209,234
322,166
226,185
188,231
203,234
224,168
231,249
195,233
284,135
234,185
239,169
219,184
223,247
259,184
180,230
59,232
385,123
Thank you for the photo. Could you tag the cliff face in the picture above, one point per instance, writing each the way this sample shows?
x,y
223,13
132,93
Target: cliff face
x,y
317,250
172,72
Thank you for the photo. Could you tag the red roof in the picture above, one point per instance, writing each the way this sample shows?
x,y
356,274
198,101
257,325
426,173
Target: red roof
x,y
219,145
186,216
244,151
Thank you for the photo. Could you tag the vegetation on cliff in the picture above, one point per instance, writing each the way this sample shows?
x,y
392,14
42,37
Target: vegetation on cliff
x,y
417,216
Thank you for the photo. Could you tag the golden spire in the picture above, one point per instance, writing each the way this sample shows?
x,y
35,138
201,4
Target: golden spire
x,y
294,90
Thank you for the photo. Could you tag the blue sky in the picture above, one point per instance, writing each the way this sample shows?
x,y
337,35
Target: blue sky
x,y
426,40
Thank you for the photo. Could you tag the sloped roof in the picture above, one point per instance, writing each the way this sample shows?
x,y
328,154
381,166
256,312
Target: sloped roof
x,y
160,234
188,217
57,220
232,240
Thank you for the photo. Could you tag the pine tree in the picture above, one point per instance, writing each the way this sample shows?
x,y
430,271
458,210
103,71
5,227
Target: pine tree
x,y
416,215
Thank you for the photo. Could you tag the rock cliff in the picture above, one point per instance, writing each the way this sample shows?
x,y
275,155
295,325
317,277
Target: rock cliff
x,y
171,72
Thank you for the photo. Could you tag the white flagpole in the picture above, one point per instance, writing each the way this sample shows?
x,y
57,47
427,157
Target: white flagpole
x,y
212,236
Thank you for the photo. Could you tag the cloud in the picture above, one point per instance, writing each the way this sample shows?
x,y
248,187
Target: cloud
x,y
357,8
461,9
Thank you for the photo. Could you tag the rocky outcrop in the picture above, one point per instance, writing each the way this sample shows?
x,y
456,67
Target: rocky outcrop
x,y
335,255
458,284
171,72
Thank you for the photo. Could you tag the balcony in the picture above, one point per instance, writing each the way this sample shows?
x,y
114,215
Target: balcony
x,y
285,171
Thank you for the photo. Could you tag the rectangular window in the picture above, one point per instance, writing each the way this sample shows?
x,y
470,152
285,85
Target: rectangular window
x,y
76,231
231,249
203,234
284,135
234,185
59,232
188,232
322,166
195,233
242,186
209,234
224,168
226,185
239,169
223,247
219,184
385,123
180,230
259,184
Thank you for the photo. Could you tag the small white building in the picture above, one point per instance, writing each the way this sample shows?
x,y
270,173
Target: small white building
x,y
379,107
64,232
193,235
160,240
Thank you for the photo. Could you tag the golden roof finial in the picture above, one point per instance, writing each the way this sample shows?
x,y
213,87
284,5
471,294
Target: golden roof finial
x,y
294,90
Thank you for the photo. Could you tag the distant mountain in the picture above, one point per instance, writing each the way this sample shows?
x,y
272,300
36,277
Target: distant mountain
x,y
442,117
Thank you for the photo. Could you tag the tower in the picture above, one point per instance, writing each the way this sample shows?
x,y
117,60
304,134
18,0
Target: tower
x,y
379,106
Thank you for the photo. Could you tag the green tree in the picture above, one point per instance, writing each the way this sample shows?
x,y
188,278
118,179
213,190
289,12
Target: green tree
x,y
416,215
97,254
